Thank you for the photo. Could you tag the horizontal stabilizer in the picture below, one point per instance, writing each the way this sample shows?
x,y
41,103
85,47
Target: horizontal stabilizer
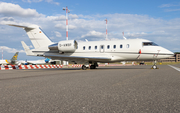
x,y
27,27
26,48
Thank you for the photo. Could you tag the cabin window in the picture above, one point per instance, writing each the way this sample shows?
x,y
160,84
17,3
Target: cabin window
x,y
95,47
114,46
89,47
121,46
108,46
149,44
84,47
127,46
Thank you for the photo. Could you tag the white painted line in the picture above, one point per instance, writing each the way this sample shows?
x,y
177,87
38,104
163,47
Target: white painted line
x,y
176,68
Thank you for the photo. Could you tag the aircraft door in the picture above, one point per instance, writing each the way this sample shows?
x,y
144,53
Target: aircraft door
x,y
101,48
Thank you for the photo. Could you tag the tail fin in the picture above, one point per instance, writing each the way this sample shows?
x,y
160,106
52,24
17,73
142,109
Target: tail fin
x,y
15,56
36,35
26,48
47,60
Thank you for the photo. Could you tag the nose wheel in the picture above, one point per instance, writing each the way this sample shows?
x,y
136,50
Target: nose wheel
x,y
155,66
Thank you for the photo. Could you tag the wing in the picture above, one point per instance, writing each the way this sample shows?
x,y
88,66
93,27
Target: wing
x,y
78,58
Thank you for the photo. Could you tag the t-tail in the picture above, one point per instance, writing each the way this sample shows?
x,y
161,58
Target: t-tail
x,y
36,35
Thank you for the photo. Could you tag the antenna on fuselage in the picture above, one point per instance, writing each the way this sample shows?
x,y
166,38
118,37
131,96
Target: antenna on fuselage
x,y
123,35
86,40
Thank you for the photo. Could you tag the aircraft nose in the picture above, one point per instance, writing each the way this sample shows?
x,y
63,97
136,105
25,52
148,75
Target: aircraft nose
x,y
167,52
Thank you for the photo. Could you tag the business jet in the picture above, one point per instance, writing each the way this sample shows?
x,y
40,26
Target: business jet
x,y
90,52
12,61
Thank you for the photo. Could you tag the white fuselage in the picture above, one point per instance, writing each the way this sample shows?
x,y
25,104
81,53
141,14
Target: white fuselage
x,y
3,62
112,51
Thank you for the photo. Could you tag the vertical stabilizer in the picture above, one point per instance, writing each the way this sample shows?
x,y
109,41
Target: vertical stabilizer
x,y
15,56
36,35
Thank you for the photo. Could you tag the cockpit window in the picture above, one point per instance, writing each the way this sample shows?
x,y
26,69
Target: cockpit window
x,y
149,44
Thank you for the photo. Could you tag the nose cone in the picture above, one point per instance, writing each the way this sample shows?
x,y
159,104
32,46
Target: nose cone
x,y
166,53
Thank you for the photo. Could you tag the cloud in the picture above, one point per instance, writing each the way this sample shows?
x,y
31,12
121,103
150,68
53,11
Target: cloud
x,y
52,2
48,1
30,1
93,34
169,5
11,50
63,26
58,34
166,5
174,6
73,16
171,10
9,9
7,19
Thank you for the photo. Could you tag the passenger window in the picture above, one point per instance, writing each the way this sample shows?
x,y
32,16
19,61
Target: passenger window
x,y
121,46
108,46
114,46
89,47
84,47
95,47
127,46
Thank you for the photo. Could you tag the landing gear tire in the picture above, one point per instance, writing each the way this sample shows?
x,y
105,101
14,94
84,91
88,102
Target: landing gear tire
x,y
92,67
154,67
84,67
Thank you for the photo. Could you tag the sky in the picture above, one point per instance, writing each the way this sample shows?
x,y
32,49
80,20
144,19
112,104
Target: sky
x,y
154,20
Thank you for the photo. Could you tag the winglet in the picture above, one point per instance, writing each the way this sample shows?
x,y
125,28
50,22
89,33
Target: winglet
x,y
7,61
26,48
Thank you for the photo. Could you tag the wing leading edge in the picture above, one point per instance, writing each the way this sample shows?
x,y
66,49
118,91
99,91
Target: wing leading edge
x,y
78,57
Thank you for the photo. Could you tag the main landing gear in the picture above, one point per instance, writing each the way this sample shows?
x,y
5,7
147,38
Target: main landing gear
x,y
155,66
93,66
84,67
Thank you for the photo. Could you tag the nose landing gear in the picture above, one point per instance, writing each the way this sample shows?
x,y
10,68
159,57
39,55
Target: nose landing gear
x,y
155,66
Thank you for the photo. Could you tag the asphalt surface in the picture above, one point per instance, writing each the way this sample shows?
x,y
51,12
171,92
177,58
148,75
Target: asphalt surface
x,y
123,89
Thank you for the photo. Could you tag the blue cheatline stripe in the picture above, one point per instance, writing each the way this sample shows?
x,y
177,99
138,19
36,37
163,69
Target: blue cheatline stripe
x,y
176,68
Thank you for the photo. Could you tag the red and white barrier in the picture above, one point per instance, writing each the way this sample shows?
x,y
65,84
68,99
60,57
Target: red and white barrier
x,y
10,67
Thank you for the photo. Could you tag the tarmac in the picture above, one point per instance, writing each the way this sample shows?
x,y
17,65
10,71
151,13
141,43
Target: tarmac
x,y
116,89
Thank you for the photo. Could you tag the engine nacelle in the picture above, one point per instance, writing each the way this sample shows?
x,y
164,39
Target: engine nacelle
x,y
64,46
